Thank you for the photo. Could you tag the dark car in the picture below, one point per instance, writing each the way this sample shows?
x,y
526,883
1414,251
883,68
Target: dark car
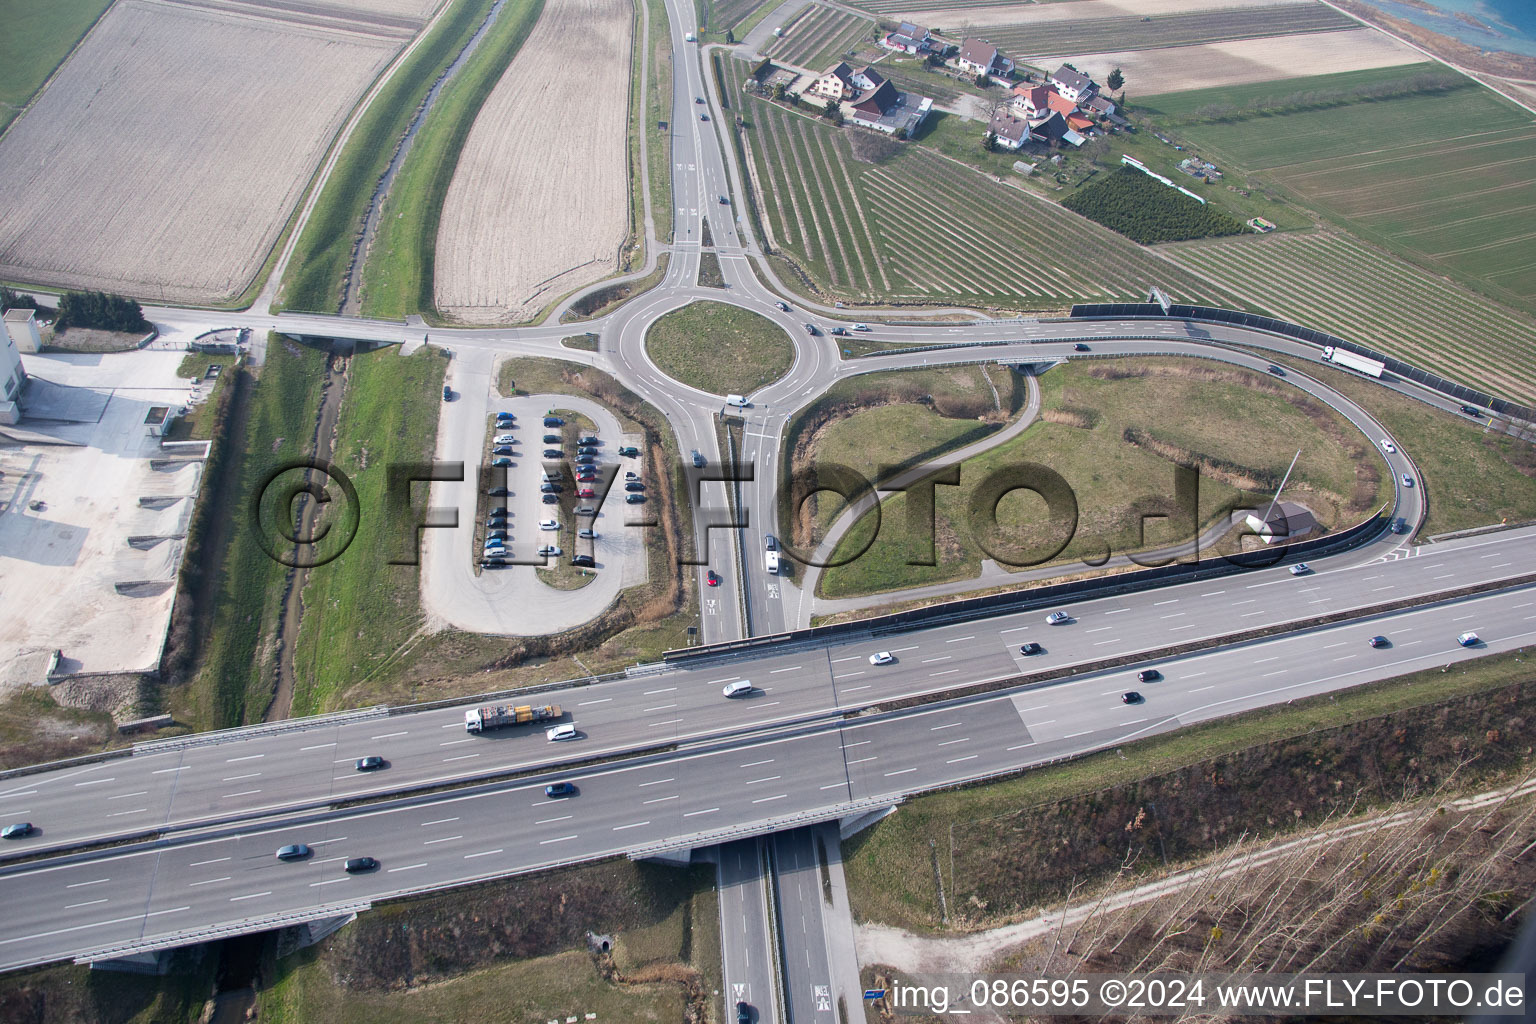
x,y
1030,649
724,201
499,533
447,393
553,421
297,851
358,865
1149,675
551,438
634,485
1277,371
496,523
499,510
550,488
629,451
494,562
585,561
1130,697
19,830
371,763
589,439
698,460
550,499
698,99
502,449
505,417
635,499
1399,525
498,492
743,1014
1472,410
555,789
1379,641
553,453
1080,347
585,460
839,331
703,117
810,329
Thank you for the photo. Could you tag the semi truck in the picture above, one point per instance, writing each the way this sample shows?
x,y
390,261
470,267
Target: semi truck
x,y
1348,360
494,716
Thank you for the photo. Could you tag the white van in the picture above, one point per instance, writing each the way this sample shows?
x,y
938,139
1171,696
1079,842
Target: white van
x,y
739,401
561,732
740,688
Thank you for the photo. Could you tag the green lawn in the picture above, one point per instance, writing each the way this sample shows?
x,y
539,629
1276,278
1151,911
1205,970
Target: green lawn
x,y
37,38
719,348
1307,89
318,268
397,279
359,609
1113,430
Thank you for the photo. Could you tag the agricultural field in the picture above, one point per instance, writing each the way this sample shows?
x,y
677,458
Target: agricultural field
x,y
719,15
957,17
535,208
1340,285
1182,29
1238,61
1444,175
913,227
36,40
819,37
115,180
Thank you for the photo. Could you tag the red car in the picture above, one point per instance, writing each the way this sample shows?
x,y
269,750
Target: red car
x,y
712,578
586,492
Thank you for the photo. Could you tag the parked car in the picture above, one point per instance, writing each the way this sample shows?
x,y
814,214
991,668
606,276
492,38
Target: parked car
x,y
549,488
586,492
549,524
447,393
556,789
359,865
631,475
1130,697
882,658
501,460
629,451
17,830
711,578
505,417
551,499
635,499
585,561
1031,649
588,440
1057,618
551,438
553,421
295,851
497,492
504,439
496,523
499,510
553,453
633,485
549,551
1379,641
493,562
587,533
1148,675
371,763
586,460
585,510
1300,569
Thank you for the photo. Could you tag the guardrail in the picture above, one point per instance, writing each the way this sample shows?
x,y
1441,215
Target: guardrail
x,y
203,739
207,933
1284,328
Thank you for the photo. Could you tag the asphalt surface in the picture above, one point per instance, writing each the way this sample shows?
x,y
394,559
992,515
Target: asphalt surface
x,y
746,940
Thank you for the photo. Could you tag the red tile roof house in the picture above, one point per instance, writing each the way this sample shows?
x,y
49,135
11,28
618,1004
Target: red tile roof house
x,y
908,38
982,58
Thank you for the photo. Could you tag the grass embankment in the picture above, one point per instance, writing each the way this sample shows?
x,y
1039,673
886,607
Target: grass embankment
x,y
360,610
657,94
34,728
319,265
75,994
605,300
1114,430
585,342
229,654
885,420
1030,839
514,951
200,424
36,40
719,348
397,278
1470,475
709,271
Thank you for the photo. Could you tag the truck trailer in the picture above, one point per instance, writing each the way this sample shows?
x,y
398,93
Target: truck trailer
x,y
494,716
1348,360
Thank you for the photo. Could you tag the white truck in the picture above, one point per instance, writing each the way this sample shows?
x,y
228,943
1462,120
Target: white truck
x,y
771,562
1350,361
494,716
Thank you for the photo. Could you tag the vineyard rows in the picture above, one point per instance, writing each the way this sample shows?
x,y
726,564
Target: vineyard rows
x,y
820,37
1349,289
921,228
724,14
1097,35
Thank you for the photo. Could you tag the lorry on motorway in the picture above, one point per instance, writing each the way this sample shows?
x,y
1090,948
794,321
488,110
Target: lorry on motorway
x,y
771,562
494,716
1350,361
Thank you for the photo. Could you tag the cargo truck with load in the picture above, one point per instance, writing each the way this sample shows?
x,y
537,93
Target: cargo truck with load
x,y
494,716
1350,361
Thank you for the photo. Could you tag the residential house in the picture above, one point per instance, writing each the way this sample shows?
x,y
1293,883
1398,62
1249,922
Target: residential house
x,y
868,78
982,58
908,38
835,84
887,110
1079,123
1100,105
1009,130
1041,101
1073,84
1051,128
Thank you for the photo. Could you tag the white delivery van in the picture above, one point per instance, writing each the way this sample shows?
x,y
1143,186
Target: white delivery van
x,y
561,732
739,401
740,688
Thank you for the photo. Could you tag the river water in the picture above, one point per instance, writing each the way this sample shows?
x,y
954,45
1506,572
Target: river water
x,y
1511,24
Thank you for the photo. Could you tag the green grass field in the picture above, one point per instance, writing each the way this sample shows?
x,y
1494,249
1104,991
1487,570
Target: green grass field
x,y
1337,284
397,278
318,268
1441,176
359,609
1181,106
1102,425
1101,35
719,348
37,38
918,228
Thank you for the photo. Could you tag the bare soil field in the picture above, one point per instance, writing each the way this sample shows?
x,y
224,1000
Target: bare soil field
x,y
1076,10
165,157
539,201
1174,69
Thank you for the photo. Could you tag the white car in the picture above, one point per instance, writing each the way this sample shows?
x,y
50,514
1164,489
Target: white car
x,y
1057,618
549,551
560,732
861,327
740,688
1300,569
549,524
1388,446
883,658
504,439
1407,480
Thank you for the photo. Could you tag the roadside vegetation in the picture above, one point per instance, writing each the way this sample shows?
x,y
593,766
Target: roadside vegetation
x,y
1147,211
1115,430
203,421
604,300
360,611
719,348
655,104
319,266
75,994
1005,848
517,950
37,38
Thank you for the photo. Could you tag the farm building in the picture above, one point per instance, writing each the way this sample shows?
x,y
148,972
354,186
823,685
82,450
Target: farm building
x,y
982,58
12,376
1008,130
890,111
909,38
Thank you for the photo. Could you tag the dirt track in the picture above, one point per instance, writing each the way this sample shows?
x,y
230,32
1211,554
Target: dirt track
x,y
167,154
539,202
